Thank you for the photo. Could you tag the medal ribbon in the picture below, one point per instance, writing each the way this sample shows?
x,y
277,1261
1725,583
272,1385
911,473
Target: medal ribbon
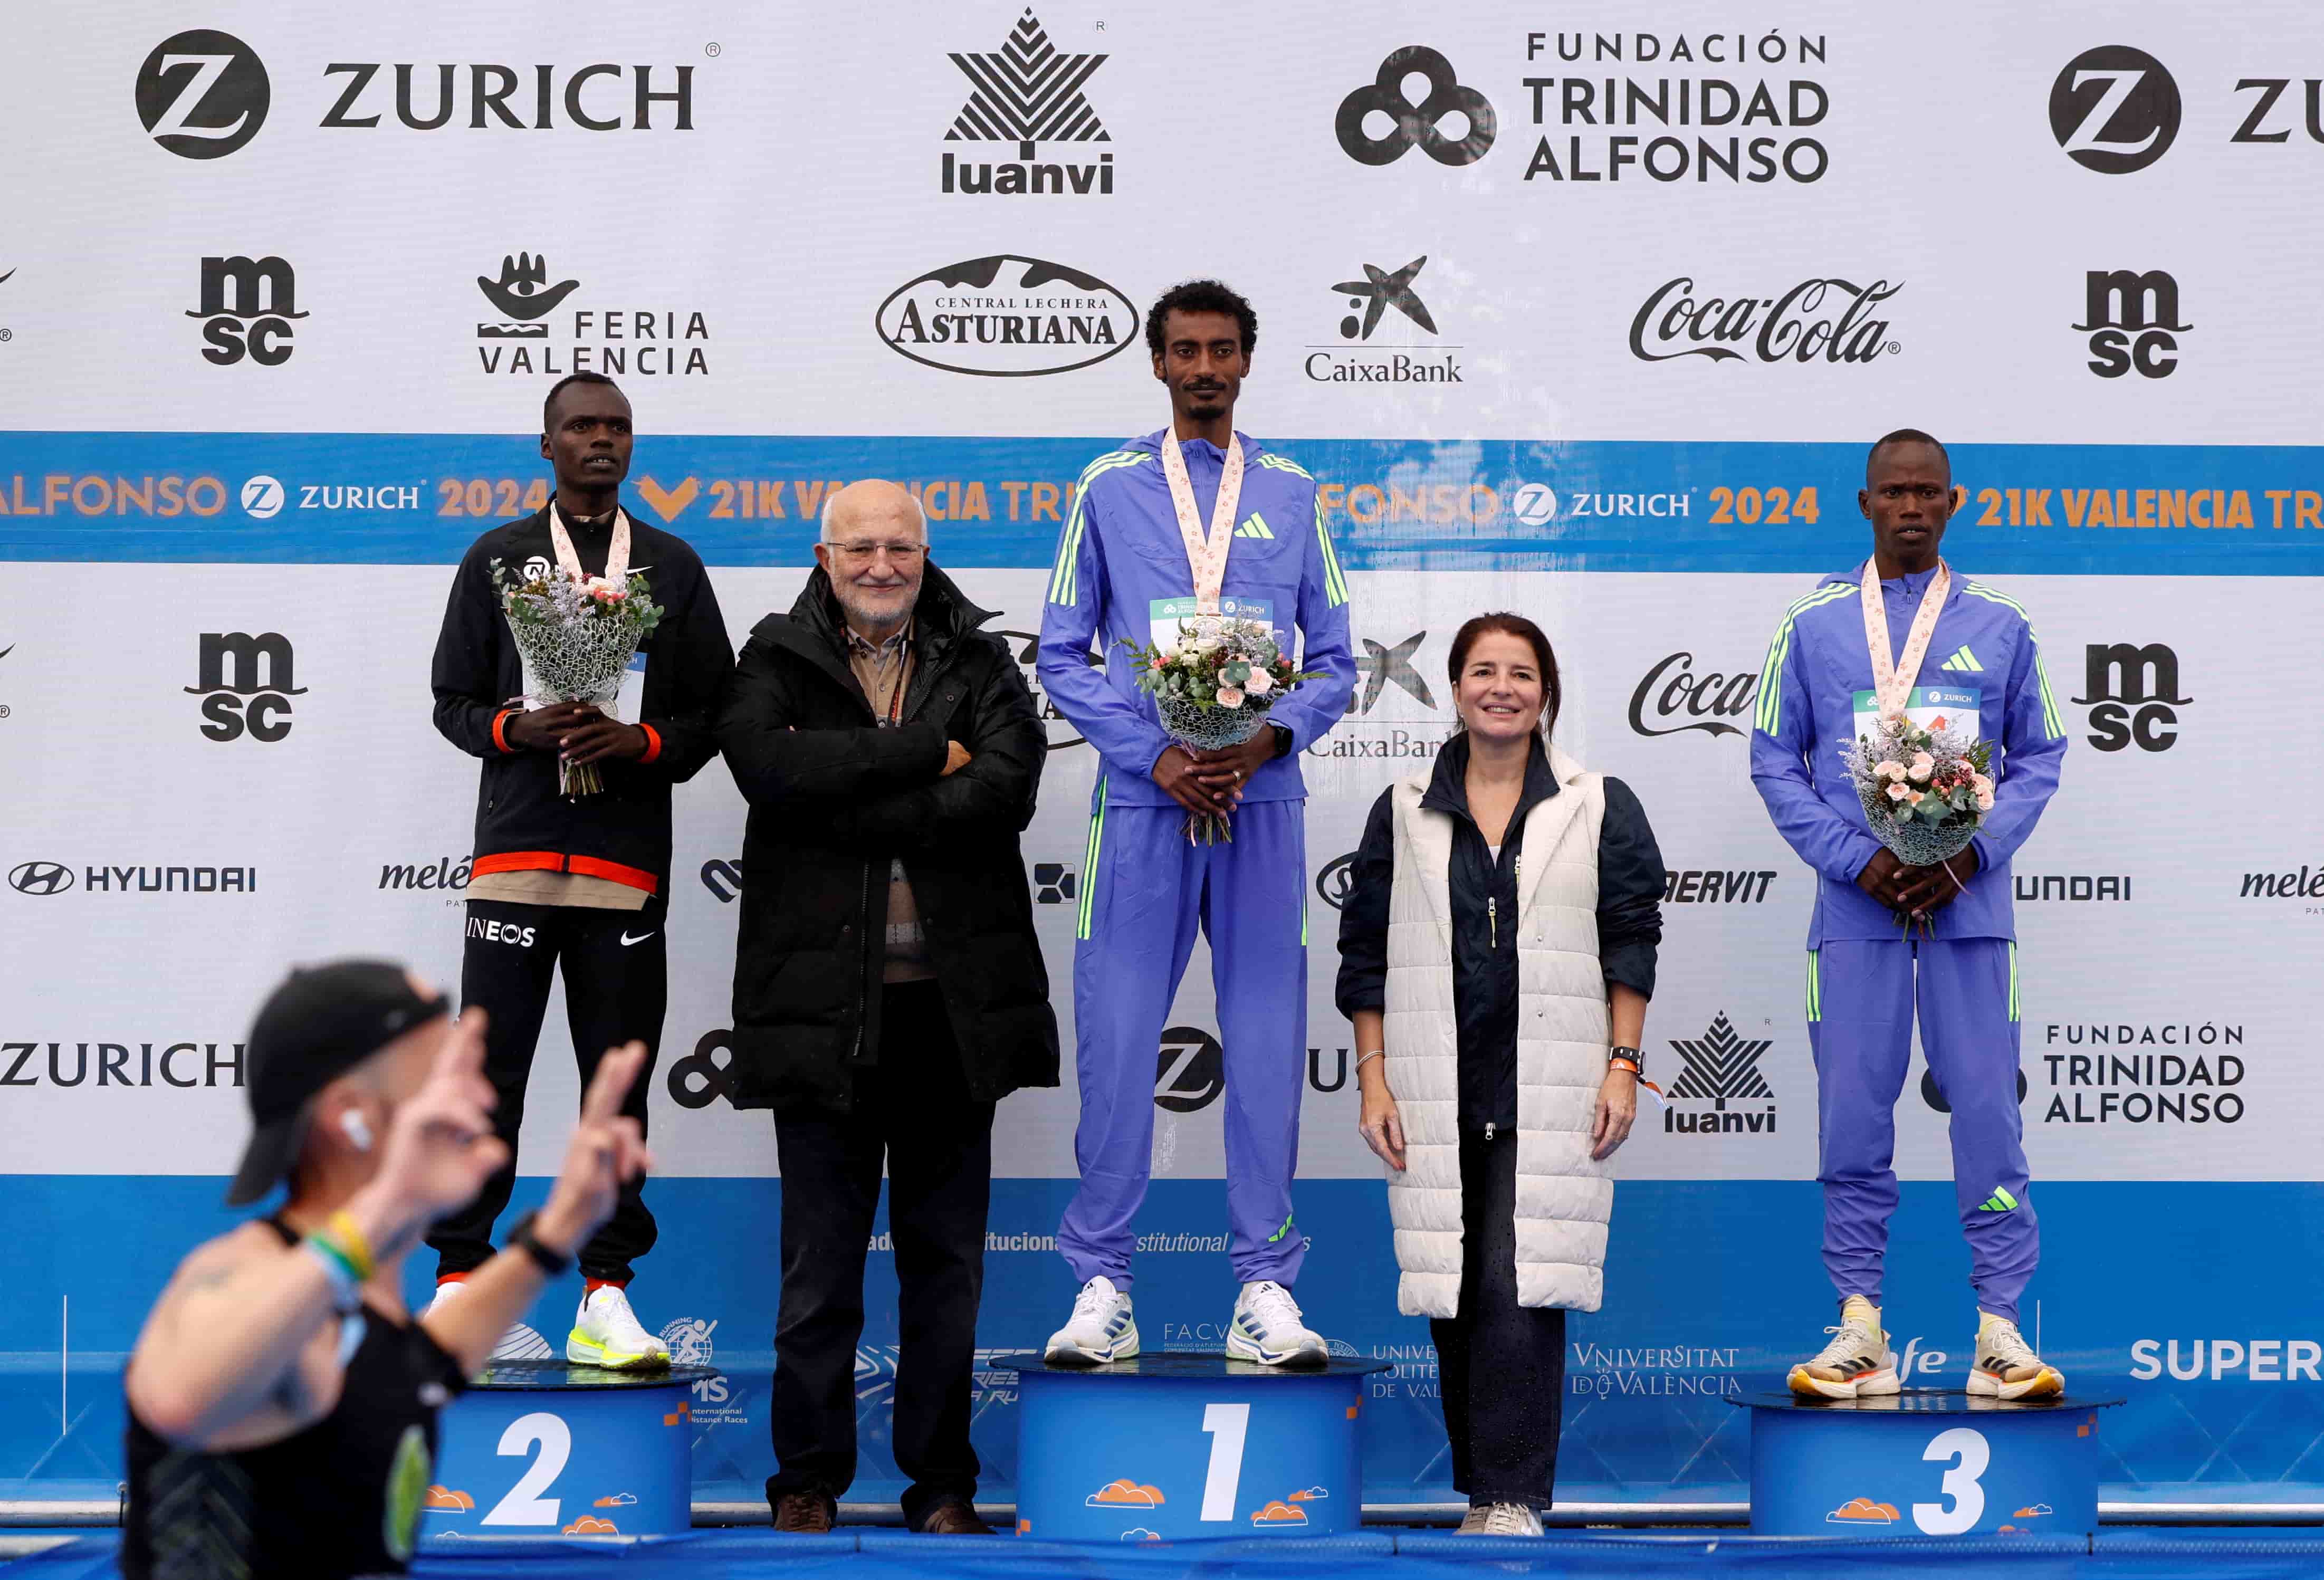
x,y
1205,556
617,554
1892,682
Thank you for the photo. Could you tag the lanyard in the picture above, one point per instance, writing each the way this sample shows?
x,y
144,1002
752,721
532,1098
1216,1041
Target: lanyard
x,y
1892,682
617,554
1206,555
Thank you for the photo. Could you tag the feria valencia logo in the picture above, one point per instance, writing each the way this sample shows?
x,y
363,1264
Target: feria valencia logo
x,y
1006,317
1823,320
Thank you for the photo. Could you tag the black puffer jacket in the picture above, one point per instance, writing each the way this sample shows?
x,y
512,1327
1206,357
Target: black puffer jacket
x,y
833,798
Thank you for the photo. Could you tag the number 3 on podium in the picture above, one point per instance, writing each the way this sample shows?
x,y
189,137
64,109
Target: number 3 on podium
x,y
1228,1425
1968,1448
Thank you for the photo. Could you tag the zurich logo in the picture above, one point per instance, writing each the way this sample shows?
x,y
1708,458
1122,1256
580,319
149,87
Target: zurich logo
x,y
40,878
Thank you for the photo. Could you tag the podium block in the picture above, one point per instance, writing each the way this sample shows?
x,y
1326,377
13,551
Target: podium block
x,y
1170,1447
553,1448
1925,1462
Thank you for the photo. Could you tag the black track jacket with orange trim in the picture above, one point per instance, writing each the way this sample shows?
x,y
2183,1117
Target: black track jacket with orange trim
x,y
523,823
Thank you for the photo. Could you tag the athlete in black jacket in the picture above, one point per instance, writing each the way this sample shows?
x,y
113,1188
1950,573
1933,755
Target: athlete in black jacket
x,y
576,882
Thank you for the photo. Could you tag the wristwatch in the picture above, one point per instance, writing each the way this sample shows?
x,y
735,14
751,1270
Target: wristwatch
x,y
521,1238
1283,738
1629,1055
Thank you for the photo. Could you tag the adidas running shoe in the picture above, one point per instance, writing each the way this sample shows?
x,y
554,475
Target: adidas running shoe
x,y
1102,1328
1267,1328
2006,1366
1856,1364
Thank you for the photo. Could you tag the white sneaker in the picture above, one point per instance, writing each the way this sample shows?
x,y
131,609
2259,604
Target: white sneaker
x,y
2007,1367
1102,1328
1267,1328
1501,1519
520,1342
1856,1364
605,1333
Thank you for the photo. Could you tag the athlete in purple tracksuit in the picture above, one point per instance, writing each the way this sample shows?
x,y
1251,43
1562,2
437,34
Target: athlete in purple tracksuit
x,y
1864,975
1122,575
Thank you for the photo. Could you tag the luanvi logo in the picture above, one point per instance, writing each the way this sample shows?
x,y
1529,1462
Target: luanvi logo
x,y
1390,361
1028,92
1672,691
1189,1070
1337,882
1823,320
2114,109
615,341
246,308
245,686
1377,124
2131,320
2132,692
202,94
1006,317
1720,1067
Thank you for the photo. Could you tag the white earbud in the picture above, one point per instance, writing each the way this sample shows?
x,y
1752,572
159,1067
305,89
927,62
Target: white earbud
x,y
357,1129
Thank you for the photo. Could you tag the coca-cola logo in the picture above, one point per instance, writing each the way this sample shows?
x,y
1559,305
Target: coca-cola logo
x,y
1823,320
1674,690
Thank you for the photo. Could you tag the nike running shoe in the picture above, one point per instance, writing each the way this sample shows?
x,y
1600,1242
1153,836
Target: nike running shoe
x,y
1267,1328
1856,1364
605,1333
520,1342
1102,1328
2006,1366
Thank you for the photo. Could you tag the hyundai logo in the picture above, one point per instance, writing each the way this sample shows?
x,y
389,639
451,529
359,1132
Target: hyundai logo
x,y
40,878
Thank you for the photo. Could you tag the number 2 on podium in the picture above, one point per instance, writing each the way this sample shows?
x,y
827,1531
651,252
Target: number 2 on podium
x,y
524,1505
1228,1425
1968,1446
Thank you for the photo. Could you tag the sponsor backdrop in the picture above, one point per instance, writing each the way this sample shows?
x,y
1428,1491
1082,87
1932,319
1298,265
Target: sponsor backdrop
x,y
1588,321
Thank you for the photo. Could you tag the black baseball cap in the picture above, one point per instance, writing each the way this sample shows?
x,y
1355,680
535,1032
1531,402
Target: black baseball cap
x,y
319,1024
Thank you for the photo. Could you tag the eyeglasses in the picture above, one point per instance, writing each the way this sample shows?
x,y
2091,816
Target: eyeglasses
x,y
865,553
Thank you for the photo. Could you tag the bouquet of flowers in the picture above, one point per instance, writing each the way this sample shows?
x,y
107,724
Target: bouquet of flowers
x,y
1213,688
1925,789
575,639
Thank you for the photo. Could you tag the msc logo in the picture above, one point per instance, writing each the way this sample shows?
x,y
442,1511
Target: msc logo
x,y
1720,1064
262,672
1410,123
202,94
1189,1070
2130,319
253,321
40,878
1052,882
1337,882
2133,691
2114,109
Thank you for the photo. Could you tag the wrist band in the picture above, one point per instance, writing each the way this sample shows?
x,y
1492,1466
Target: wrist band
x,y
349,1236
347,1289
1375,1053
521,1238
1624,1064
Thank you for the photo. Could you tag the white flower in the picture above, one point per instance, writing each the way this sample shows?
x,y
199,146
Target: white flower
x,y
1230,697
1898,792
1922,767
1260,683
1889,770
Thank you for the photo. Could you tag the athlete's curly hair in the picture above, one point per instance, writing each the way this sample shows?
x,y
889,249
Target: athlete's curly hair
x,y
1201,296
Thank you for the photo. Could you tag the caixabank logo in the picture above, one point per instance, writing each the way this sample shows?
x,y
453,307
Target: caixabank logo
x,y
1386,335
1028,92
1721,1067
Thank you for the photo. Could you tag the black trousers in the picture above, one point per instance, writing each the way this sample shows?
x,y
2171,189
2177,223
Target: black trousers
x,y
616,970
1500,1367
913,1110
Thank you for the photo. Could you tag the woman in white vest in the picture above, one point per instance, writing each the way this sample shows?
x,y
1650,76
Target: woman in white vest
x,y
1496,956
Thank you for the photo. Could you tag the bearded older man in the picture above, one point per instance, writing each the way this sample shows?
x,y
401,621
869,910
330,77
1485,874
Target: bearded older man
x,y
888,988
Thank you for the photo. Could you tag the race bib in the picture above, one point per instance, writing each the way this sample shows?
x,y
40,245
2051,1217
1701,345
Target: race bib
x,y
1163,616
1924,706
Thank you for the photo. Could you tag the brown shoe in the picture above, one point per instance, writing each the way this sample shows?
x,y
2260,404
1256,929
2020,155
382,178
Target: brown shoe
x,y
953,1519
809,1513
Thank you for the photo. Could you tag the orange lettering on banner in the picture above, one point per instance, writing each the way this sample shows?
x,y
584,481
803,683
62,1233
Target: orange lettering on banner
x,y
1013,490
1332,496
2146,517
2175,507
2101,508
2276,496
1044,502
2076,501
2239,512
2308,505
2037,507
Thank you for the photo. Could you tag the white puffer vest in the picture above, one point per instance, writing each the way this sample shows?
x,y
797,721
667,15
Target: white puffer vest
x,y
1565,1198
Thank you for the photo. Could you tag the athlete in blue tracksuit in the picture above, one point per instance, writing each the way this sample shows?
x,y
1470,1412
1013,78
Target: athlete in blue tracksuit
x,y
1122,575
1864,975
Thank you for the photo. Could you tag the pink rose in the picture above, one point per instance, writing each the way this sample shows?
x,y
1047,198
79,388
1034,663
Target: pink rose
x,y
1888,770
1984,801
1260,683
1922,765
1898,792
1230,697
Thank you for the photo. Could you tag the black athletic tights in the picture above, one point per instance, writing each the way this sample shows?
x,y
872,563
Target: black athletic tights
x,y
616,973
